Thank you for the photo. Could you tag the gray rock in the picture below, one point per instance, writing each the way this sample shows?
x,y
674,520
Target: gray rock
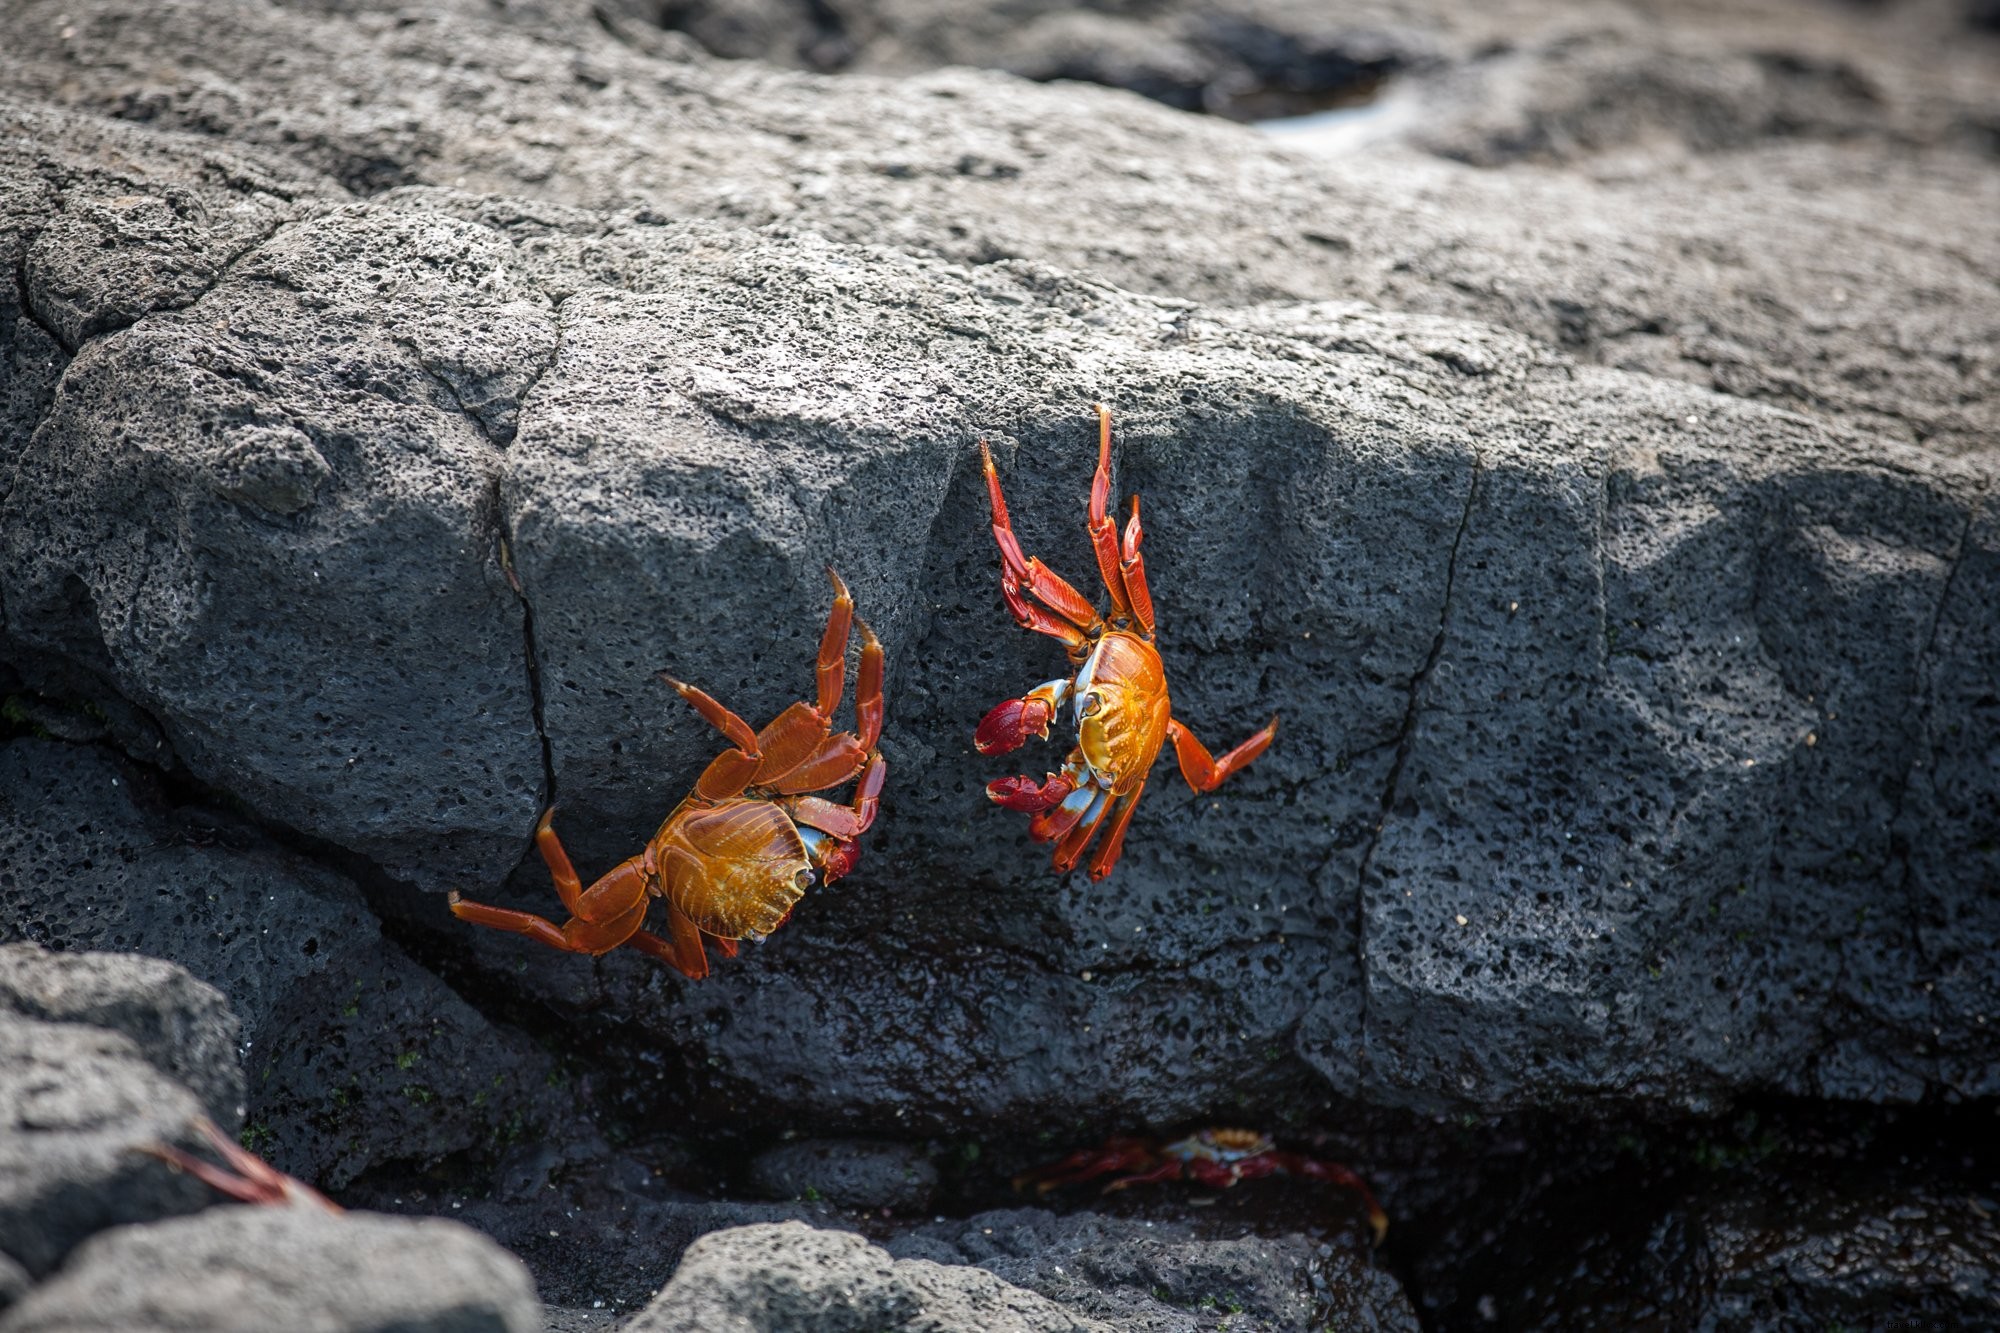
x,y
77,1104
850,1172
792,1277
239,1269
1168,1276
14,1282
1649,686
284,460
1792,1249
353,1053
182,1025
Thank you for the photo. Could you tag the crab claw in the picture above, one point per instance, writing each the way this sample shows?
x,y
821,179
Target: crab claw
x,y
838,859
1011,722
1026,794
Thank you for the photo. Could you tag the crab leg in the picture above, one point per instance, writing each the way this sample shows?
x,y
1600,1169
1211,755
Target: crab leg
x,y
1117,1154
1114,837
1132,567
683,952
1074,620
729,772
1203,771
1103,532
1167,1170
245,1177
831,665
1071,848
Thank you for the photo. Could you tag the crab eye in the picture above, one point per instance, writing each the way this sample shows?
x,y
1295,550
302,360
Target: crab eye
x,y
803,880
1092,702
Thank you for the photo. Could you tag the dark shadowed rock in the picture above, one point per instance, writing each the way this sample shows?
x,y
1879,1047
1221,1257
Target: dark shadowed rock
x,y
183,1026
235,1270
850,1172
790,1278
77,1105
14,1282
353,1054
1167,1276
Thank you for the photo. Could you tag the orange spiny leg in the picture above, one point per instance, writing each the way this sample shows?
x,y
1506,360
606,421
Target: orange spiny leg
x,y
1103,532
838,758
1204,772
788,740
1114,837
246,1177
683,952
831,666
568,886
1071,617
1132,566
729,772
574,936
832,832
1070,848
868,691
606,900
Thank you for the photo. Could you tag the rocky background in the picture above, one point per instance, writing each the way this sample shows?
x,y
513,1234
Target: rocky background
x,y
1587,438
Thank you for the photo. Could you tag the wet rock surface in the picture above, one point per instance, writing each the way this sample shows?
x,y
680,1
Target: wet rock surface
x,y
294,1268
386,396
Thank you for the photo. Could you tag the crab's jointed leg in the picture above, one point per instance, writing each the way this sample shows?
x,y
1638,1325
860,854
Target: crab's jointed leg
x,y
1132,568
1070,847
1203,771
1117,1154
602,917
1104,532
729,772
246,1177
1114,837
1070,616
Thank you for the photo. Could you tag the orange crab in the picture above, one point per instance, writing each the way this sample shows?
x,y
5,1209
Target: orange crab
x,y
736,856
1119,689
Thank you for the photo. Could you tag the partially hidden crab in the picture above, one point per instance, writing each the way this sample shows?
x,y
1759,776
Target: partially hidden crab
x,y
1118,689
1213,1157
244,1176
738,853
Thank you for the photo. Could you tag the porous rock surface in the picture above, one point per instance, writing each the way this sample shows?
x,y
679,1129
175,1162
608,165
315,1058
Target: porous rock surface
x,y
1624,545
78,1104
895,1176
353,1054
1166,1276
253,1269
786,1276
183,1026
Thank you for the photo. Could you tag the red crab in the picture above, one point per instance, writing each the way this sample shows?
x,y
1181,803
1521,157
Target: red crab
x,y
1118,691
1214,1157
735,856
245,1177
